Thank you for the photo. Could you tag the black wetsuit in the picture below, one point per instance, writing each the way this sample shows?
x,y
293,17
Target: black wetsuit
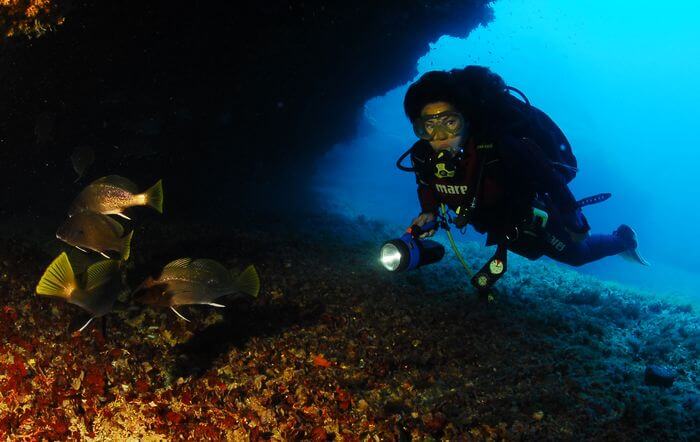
x,y
516,174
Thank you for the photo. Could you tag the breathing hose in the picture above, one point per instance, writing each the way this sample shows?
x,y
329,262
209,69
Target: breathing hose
x,y
446,227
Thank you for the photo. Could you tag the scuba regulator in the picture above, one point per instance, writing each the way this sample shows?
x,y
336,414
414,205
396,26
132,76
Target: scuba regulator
x,y
445,163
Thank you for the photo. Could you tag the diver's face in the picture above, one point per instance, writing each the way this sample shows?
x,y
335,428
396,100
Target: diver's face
x,y
443,124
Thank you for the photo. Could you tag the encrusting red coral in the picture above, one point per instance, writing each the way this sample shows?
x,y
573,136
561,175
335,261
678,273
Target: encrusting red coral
x,y
29,18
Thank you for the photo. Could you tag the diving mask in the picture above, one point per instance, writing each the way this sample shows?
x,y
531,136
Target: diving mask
x,y
442,125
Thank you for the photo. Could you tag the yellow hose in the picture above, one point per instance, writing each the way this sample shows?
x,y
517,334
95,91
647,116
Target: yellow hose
x,y
443,211
491,296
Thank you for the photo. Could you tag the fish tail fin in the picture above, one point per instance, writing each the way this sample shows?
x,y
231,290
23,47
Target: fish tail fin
x,y
126,246
58,278
248,281
154,196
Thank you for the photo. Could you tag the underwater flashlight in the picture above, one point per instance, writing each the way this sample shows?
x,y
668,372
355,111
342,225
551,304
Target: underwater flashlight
x,y
409,251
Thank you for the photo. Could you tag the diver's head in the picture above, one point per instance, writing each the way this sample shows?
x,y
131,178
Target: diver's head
x,y
433,105
475,93
441,124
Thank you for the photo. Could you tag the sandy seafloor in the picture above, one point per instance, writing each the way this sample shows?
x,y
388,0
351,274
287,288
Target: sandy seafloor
x,y
334,348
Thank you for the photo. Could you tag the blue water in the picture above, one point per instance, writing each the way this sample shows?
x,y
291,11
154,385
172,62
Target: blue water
x,y
621,80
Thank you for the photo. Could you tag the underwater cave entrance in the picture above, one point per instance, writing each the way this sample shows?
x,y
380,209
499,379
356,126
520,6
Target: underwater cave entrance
x,y
618,90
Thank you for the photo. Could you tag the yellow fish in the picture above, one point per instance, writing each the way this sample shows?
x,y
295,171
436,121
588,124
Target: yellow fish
x,y
91,291
94,231
113,194
186,281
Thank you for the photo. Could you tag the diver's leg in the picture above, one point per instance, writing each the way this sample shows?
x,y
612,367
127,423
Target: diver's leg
x,y
562,248
594,248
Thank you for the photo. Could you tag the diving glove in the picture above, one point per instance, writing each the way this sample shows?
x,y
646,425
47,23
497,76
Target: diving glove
x,y
423,219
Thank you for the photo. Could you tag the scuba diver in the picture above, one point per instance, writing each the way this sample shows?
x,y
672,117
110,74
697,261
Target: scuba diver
x,y
503,166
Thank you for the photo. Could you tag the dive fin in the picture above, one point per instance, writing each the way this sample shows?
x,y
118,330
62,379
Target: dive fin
x,y
126,246
154,196
178,313
248,282
58,278
633,255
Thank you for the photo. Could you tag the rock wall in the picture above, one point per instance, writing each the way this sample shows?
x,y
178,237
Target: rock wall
x,y
229,103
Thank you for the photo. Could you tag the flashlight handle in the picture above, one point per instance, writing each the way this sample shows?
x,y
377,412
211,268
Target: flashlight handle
x,y
417,230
